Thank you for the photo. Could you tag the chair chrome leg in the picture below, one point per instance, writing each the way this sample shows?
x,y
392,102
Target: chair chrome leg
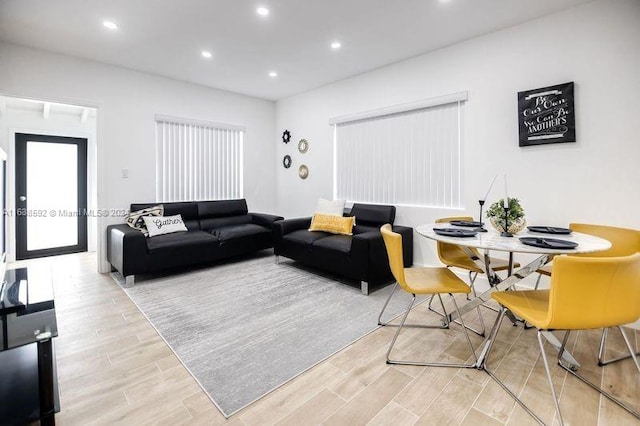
x,y
441,304
387,324
546,369
429,305
493,334
603,343
482,364
535,287
404,319
472,280
612,398
472,283
420,363
395,287
464,328
447,318
480,317
632,353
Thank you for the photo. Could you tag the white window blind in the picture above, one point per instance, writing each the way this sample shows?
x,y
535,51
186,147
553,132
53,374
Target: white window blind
x,y
197,160
403,156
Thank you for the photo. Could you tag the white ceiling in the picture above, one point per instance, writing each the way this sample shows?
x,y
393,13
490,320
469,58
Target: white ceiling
x,y
166,36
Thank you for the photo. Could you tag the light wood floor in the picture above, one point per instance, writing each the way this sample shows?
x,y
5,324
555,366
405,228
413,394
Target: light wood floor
x,y
113,368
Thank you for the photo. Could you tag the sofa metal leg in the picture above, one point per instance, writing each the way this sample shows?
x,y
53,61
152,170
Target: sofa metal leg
x,y
277,259
364,287
129,281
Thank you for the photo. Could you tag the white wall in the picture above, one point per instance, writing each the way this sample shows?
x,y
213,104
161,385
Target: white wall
x,y
19,120
596,45
127,102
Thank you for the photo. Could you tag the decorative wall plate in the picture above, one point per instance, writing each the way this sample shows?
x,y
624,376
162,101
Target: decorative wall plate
x,y
286,161
286,136
303,172
303,146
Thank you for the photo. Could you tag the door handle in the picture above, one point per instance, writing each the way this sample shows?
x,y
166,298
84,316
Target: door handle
x,y
23,198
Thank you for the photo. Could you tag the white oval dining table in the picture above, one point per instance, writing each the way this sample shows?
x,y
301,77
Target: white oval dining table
x,y
493,241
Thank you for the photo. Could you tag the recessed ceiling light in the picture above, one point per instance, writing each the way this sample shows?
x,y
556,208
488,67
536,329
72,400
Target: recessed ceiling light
x,y
111,25
206,54
262,11
273,74
336,45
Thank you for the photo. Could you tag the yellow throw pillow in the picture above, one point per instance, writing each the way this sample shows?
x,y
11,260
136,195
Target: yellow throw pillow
x,y
332,224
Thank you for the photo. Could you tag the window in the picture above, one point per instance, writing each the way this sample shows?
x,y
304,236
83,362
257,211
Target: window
x,y
402,155
197,160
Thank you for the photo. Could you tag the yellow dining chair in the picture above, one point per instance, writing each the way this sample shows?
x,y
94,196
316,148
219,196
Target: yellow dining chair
x,y
585,293
624,242
454,256
416,280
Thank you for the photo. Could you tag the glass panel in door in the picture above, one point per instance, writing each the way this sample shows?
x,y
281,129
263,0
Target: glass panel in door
x,y
52,188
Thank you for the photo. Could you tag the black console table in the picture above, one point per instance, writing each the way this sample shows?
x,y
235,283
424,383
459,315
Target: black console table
x,y
28,380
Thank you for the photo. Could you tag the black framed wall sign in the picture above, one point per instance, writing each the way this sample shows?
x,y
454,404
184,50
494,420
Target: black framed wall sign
x,y
547,115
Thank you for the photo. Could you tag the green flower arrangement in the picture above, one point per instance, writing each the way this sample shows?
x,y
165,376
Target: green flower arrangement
x,y
516,218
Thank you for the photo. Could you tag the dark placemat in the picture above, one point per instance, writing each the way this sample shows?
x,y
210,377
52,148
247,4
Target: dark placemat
x,y
549,230
452,232
548,243
467,223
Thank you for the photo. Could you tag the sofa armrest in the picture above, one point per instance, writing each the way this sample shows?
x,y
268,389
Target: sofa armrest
x,y
369,248
126,249
283,227
264,219
407,243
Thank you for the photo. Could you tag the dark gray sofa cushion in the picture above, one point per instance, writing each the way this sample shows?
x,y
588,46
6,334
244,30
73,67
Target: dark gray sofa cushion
x,y
229,232
181,248
181,240
242,238
217,222
305,237
339,243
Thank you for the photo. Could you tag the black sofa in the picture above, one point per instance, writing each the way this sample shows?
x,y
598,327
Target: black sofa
x,y
361,256
216,230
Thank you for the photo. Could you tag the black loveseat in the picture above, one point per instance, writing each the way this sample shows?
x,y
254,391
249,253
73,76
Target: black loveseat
x,y
361,256
216,230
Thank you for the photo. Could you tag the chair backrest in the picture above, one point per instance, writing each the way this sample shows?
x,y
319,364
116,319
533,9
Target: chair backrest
x,y
624,241
594,292
393,243
448,252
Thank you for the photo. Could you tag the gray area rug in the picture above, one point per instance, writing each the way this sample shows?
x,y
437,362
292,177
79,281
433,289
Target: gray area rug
x,y
245,328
